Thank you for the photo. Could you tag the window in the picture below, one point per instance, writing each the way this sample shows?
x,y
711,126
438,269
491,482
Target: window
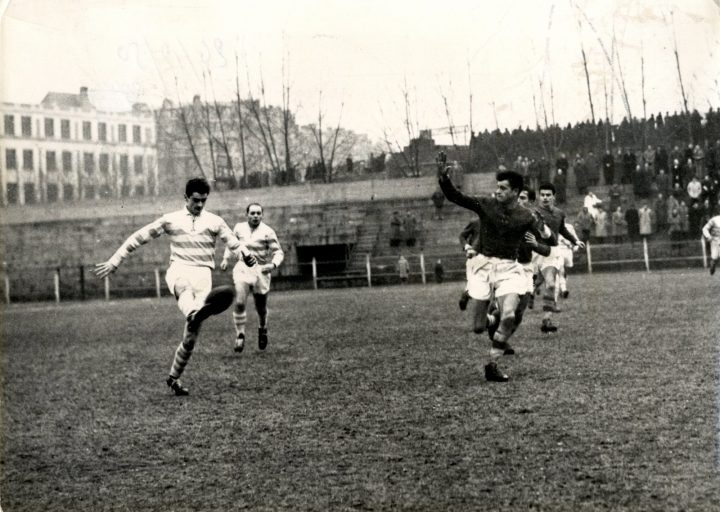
x,y
124,165
87,130
104,163
148,136
52,193
30,197
26,126
13,196
136,134
68,192
67,161
89,163
28,159
89,191
10,159
50,161
139,190
49,127
138,164
64,128
9,125
122,133
102,132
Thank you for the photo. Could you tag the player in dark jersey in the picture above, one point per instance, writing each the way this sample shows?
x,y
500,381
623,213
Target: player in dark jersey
x,y
554,218
503,225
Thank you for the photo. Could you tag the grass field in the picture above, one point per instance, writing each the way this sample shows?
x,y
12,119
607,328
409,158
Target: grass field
x,y
369,399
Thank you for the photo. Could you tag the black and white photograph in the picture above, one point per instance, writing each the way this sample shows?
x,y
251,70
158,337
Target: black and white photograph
x,y
336,255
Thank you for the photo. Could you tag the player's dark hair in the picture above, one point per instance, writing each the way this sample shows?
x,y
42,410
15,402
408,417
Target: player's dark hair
x,y
199,185
247,210
515,179
547,186
530,193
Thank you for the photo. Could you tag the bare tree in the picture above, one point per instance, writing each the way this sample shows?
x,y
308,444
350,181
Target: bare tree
x,y
186,129
265,131
241,122
326,163
223,141
286,114
682,87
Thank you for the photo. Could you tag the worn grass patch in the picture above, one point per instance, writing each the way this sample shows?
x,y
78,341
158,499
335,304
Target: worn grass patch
x,y
368,399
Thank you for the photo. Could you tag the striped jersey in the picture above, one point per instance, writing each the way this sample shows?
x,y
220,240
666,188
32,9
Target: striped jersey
x,y
261,242
711,230
192,238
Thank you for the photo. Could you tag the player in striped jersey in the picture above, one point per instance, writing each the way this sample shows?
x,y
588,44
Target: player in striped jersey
x,y
262,243
554,218
711,231
193,233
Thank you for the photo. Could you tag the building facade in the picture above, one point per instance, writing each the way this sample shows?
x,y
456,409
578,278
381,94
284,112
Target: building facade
x,y
65,149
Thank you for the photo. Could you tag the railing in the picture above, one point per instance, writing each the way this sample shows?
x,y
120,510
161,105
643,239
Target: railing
x,y
68,283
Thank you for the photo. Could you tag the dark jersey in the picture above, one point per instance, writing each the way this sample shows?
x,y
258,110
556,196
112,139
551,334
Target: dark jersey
x,y
471,235
502,228
554,218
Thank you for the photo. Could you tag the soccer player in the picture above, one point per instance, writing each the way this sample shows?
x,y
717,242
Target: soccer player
x,y
554,218
193,233
711,232
566,252
262,243
503,224
470,242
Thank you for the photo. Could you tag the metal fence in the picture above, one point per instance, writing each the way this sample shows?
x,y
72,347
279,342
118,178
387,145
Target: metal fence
x,y
69,283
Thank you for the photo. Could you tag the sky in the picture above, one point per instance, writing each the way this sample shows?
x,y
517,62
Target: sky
x,y
372,65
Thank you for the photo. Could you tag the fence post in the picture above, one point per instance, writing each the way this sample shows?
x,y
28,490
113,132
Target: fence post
x,y
589,256
6,278
368,270
645,254
56,284
422,267
704,252
158,290
107,287
82,282
314,273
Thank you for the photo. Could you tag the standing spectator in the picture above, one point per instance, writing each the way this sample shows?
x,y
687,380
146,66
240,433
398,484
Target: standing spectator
x,y
544,171
619,225
632,216
439,271
410,228
438,199
688,154
395,229
561,163
602,225
615,196
649,156
585,223
676,173
688,170
593,169
698,157
560,183
580,170
684,219
713,158
591,202
676,154
517,165
710,187
694,189
695,216
661,211
403,269
662,182
672,204
661,158
534,174
608,164
629,163
647,220
675,230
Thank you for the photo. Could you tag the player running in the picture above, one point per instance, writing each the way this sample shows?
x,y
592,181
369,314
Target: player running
x,y
193,233
503,224
262,243
711,232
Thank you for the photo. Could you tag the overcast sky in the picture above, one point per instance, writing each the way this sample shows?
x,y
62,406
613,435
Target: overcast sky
x,y
364,55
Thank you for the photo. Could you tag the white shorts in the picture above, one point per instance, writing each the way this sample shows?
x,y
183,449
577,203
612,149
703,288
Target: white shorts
x,y
246,278
566,255
528,273
200,278
495,275
554,260
715,248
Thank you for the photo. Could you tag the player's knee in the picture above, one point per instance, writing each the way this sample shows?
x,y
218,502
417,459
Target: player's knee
x,y
508,318
181,286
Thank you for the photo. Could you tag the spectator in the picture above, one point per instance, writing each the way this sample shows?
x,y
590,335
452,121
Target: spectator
x,y
591,202
672,204
632,217
698,156
403,269
544,171
585,223
647,220
710,186
688,170
676,174
439,271
694,189
675,230
608,164
661,158
395,229
410,227
662,182
684,219
534,174
661,210
560,183
695,217
649,156
593,169
602,225
676,154
615,196
580,170
438,199
629,163
619,225
561,163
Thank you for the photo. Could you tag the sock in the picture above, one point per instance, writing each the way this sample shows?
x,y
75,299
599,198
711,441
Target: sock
x,y
239,319
183,353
